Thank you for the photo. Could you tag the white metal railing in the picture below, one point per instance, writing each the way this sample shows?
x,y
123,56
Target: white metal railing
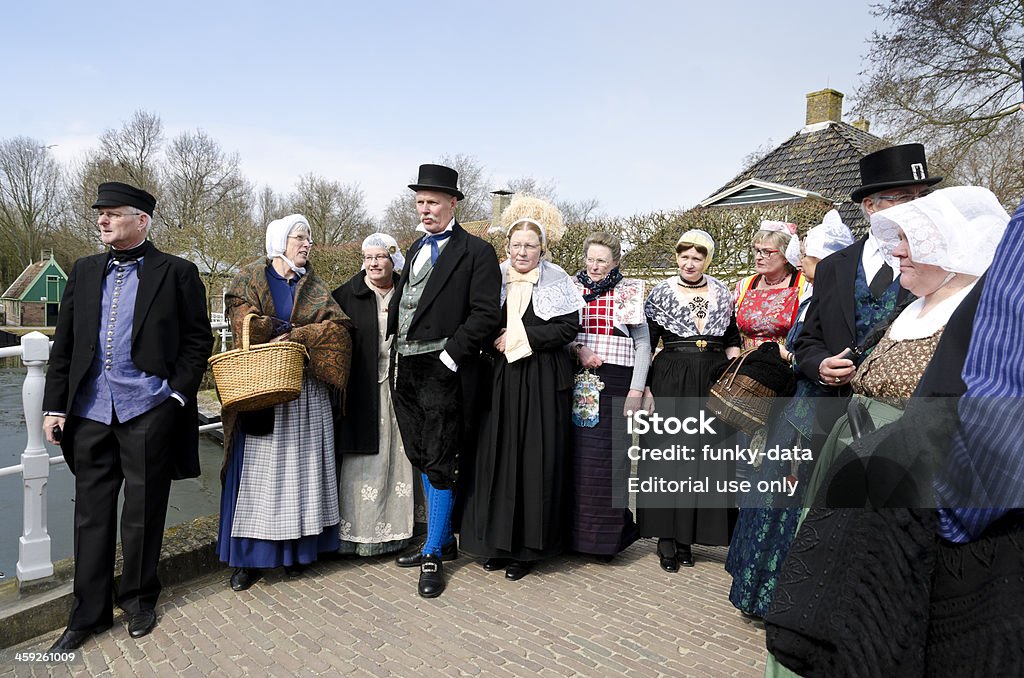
x,y
34,556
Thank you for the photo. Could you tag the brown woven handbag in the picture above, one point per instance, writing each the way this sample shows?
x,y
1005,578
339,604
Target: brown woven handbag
x,y
255,377
740,401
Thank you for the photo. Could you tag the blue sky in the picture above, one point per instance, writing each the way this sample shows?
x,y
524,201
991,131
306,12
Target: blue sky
x,y
643,105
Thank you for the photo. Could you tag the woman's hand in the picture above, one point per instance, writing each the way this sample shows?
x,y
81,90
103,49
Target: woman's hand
x,y
648,402
499,343
589,358
634,402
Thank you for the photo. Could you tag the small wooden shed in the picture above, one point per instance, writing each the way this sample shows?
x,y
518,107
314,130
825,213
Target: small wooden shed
x,y
34,298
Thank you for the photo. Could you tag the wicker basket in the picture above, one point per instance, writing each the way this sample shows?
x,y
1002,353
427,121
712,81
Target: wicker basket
x,y
253,378
740,401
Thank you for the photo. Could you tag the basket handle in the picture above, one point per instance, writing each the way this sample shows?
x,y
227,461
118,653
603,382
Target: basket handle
x,y
735,366
245,330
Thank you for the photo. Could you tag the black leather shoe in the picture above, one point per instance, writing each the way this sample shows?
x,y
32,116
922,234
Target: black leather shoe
x,y
668,554
517,569
669,563
413,557
685,555
494,564
141,623
73,639
431,577
294,570
244,577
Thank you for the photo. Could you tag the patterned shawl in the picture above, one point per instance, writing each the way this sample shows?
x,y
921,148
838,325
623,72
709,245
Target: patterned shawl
x,y
318,323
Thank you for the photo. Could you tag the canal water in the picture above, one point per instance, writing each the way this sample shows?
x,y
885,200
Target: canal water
x,y
189,498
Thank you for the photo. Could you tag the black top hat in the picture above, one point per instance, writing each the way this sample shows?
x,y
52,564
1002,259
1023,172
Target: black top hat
x,y
438,178
116,194
891,167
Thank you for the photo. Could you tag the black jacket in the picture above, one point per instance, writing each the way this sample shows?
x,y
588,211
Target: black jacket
x,y
356,419
171,338
830,325
461,302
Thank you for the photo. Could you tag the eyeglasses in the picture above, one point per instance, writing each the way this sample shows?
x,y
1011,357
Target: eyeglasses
x,y
597,262
110,214
763,254
374,258
301,238
523,248
901,198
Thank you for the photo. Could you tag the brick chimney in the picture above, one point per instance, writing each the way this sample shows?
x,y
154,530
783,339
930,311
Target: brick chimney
x,y
499,201
862,124
824,106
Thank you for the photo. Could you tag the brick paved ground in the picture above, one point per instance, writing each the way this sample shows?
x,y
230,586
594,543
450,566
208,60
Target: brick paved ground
x,y
573,616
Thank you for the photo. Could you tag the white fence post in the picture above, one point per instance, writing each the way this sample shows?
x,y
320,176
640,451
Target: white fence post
x,y
34,545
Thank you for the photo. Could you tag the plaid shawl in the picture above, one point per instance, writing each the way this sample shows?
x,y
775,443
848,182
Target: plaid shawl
x,y
318,323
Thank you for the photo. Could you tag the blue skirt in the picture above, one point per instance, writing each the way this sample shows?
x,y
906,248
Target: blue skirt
x,y
262,553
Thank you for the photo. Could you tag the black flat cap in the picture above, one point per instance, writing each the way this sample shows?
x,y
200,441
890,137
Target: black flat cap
x,y
116,194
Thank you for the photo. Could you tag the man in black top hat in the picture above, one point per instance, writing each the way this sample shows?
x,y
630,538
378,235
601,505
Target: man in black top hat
x,y
855,289
129,352
445,307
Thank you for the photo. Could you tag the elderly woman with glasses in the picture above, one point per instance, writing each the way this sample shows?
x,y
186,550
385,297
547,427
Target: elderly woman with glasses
x,y
768,521
516,501
375,479
767,301
615,345
279,505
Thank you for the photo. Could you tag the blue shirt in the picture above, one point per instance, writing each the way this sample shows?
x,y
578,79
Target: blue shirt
x,y
984,476
114,386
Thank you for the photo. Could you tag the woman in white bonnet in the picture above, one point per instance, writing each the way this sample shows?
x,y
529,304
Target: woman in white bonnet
x,y
516,504
861,585
279,505
375,478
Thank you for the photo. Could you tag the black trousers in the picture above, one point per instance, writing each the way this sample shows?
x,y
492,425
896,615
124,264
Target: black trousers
x,y
136,454
429,409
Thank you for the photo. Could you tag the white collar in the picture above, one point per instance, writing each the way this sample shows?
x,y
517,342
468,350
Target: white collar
x,y
909,326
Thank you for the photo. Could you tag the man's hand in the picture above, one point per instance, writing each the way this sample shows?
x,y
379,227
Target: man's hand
x,y
499,343
837,370
49,423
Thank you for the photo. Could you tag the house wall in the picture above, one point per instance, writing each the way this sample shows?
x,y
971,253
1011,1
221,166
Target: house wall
x,y
38,290
33,314
11,313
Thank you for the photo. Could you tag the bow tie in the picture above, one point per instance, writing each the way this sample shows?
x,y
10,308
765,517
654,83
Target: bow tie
x,y
432,240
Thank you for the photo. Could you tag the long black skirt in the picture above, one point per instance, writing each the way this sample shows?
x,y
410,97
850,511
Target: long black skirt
x,y
686,375
598,461
517,495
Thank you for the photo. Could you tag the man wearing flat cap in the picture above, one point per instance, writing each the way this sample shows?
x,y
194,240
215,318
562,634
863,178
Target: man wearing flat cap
x,y
855,289
445,307
129,352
